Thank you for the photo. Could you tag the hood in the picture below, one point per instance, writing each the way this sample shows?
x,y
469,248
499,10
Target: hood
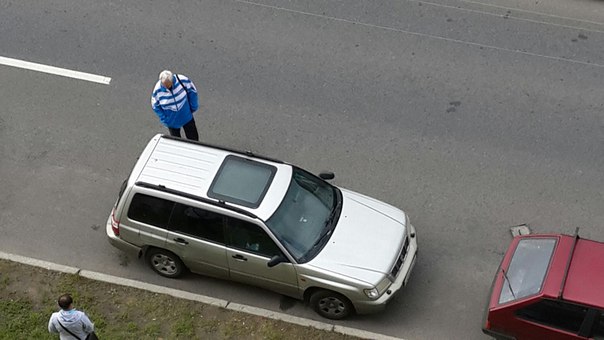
x,y
366,240
70,316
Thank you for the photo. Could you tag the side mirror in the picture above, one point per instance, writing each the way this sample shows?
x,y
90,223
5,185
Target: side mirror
x,y
275,260
327,175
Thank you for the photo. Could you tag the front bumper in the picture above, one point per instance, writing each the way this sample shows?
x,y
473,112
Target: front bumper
x,y
373,306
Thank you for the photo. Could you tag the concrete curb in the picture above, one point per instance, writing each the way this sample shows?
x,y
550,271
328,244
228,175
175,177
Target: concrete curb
x,y
39,263
154,288
197,297
280,316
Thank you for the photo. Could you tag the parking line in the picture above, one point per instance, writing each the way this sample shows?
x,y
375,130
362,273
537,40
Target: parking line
x,y
54,70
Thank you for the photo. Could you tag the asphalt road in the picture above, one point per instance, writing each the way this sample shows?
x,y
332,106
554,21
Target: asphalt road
x,y
472,116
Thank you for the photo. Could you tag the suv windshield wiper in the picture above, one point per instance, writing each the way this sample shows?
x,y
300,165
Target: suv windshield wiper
x,y
334,212
318,245
327,230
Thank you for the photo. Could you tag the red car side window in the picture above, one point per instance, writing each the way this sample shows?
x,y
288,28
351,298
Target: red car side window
x,y
557,314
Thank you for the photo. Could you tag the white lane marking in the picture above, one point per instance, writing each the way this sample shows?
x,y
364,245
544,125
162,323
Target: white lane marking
x,y
426,35
54,70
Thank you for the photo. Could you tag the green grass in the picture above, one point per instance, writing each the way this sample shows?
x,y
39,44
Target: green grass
x,y
28,298
18,320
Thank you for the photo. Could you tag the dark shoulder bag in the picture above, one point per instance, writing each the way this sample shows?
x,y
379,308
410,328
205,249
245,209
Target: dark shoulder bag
x,y
90,336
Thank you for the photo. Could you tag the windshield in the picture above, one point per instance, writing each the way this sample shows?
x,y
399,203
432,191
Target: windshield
x,y
307,216
527,269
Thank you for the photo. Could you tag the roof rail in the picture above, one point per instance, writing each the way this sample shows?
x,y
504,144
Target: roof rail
x,y
220,204
243,153
570,259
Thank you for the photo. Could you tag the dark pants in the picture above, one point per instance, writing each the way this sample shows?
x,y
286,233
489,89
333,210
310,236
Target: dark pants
x,y
190,130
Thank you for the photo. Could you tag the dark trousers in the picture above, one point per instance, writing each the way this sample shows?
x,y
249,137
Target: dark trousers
x,y
190,130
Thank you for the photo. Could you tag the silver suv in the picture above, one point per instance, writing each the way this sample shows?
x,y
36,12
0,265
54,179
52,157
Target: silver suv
x,y
244,217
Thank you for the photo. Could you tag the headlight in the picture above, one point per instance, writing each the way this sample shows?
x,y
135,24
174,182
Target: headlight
x,y
372,293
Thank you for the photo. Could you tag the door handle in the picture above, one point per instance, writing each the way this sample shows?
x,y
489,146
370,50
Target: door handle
x,y
239,257
181,240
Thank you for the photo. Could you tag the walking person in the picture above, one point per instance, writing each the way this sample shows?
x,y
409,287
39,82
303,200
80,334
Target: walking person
x,y
174,100
69,322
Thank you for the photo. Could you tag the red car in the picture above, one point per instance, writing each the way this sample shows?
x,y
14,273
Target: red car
x,y
548,287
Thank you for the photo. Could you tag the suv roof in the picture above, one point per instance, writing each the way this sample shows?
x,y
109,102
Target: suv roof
x,y
192,168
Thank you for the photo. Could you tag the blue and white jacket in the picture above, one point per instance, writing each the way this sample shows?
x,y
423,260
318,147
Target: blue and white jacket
x,y
171,105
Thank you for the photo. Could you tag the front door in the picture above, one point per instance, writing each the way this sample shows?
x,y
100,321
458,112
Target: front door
x,y
249,249
551,319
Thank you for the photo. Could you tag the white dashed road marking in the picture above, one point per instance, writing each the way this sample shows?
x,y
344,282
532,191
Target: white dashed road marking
x,y
54,70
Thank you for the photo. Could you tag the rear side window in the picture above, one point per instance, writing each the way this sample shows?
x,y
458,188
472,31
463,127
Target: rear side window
x,y
150,210
197,222
557,314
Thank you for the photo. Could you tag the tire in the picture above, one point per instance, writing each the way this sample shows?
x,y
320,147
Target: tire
x,y
331,305
165,263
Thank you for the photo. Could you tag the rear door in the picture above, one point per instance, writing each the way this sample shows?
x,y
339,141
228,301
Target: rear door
x,y
248,251
196,235
147,218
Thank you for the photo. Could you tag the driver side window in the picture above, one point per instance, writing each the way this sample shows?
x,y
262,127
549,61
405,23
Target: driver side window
x,y
250,237
558,314
599,327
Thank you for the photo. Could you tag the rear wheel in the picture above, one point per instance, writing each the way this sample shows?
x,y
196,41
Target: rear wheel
x,y
165,263
331,305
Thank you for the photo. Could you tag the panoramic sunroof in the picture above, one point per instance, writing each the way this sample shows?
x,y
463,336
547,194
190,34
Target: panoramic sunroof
x,y
242,181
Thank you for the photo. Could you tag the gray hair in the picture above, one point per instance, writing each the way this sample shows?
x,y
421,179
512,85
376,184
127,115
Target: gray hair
x,y
165,75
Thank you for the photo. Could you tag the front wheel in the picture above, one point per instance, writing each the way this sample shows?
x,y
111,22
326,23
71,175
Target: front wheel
x,y
330,304
165,263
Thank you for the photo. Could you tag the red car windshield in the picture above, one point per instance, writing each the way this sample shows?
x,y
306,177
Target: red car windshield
x,y
527,270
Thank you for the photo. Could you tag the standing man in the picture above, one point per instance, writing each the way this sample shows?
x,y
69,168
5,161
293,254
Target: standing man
x,y
174,100
69,322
